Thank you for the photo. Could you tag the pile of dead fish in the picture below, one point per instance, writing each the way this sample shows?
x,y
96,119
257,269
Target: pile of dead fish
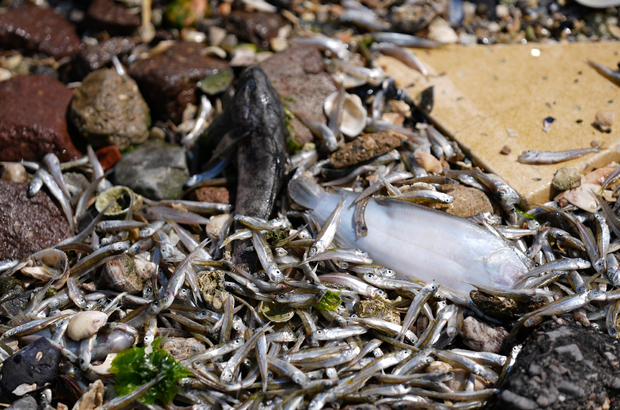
x,y
328,285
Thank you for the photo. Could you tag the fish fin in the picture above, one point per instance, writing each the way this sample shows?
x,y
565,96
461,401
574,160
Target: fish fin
x,y
305,191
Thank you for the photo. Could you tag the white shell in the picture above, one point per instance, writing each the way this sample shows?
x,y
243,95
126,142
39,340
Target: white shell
x,y
353,120
85,324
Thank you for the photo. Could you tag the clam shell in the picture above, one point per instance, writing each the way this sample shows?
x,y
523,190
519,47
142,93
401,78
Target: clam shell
x,y
353,120
85,324
120,195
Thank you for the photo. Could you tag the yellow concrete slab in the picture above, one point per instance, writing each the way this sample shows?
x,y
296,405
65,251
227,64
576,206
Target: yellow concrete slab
x,y
482,91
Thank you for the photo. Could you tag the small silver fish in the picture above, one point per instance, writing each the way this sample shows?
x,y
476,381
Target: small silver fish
x,y
533,157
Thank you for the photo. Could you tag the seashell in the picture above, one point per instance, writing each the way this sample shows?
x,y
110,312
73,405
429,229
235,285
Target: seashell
x,y
582,196
353,119
217,82
127,274
604,120
14,172
428,161
85,324
122,196
216,224
440,31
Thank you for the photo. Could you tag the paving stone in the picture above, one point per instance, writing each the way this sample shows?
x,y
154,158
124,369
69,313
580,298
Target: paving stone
x,y
516,88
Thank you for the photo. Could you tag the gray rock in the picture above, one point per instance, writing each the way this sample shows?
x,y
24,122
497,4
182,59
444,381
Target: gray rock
x,y
298,75
481,337
109,109
514,401
156,170
27,403
542,401
571,389
615,383
572,350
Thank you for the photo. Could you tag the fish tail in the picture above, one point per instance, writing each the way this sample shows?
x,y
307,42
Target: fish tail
x,y
305,191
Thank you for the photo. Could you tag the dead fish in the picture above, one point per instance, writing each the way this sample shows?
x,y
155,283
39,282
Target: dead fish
x,y
533,157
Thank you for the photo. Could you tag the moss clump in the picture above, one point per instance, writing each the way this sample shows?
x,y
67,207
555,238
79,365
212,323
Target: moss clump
x,y
330,301
135,367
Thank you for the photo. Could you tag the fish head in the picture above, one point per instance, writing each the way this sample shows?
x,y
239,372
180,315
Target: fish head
x,y
275,274
504,268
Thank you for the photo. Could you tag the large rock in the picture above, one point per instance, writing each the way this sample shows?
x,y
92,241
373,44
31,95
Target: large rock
x,y
564,367
37,364
112,16
298,75
156,170
92,58
33,119
108,110
27,224
258,28
168,80
35,29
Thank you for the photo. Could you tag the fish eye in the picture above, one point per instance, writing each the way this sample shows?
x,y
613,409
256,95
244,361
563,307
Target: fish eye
x,y
319,332
156,303
297,380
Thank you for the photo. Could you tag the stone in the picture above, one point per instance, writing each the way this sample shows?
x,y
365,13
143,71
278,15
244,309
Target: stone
x,y
467,201
257,28
469,108
212,194
111,16
168,80
28,225
14,172
298,75
566,178
16,303
571,389
216,224
364,148
33,119
27,403
574,370
92,58
428,161
572,350
108,109
127,274
108,156
182,348
156,170
38,30
511,400
36,363
482,337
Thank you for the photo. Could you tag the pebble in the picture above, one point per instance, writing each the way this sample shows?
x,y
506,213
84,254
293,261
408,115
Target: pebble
x,y
108,156
111,16
37,363
212,194
30,126
298,75
127,274
467,201
85,324
604,120
92,58
182,348
571,389
26,403
14,172
108,109
566,178
168,80
156,170
363,148
28,225
482,337
36,29
514,401
427,161
572,350
440,31
258,28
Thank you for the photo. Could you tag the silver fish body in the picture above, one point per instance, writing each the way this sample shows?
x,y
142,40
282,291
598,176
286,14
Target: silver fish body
x,y
419,243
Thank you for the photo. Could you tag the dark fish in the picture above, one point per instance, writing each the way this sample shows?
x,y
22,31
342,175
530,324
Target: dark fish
x,y
261,153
